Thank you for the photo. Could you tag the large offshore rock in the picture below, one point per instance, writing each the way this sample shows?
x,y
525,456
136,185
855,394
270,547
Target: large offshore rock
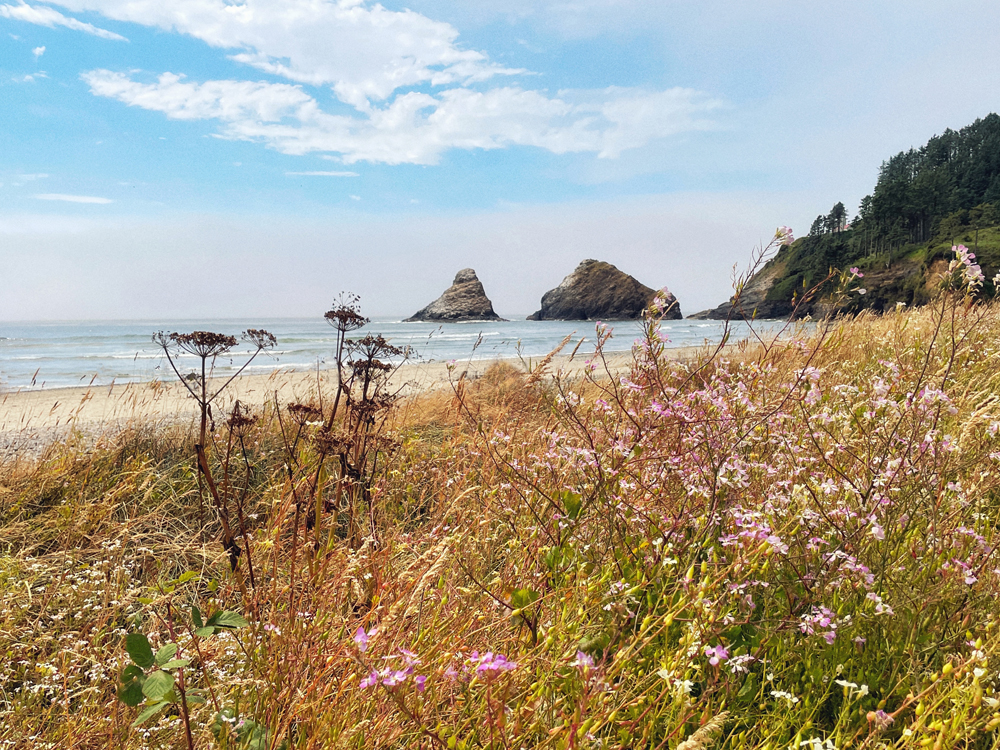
x,y
598,291
465,299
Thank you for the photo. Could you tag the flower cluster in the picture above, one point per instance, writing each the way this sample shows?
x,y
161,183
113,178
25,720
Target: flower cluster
x,y
969,273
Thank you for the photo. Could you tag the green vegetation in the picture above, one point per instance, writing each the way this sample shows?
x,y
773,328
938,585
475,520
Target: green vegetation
x,y
792,545
925,200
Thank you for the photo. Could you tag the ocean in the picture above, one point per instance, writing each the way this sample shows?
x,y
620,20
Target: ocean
x,y
60,354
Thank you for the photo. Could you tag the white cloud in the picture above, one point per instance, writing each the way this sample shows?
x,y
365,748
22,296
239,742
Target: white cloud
x,y
365,52
72,198
38,52
416,127
44,16
230,101
30,177
322,174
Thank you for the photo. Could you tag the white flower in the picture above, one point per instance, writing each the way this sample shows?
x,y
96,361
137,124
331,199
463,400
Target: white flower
x,y
792,699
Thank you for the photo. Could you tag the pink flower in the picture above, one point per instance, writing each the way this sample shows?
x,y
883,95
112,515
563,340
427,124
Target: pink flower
x,y
716,654
361,638
490,663
370,681
421,681
784,236
856,273
583,662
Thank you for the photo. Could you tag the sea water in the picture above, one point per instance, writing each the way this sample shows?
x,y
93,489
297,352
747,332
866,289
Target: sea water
x,y
60,354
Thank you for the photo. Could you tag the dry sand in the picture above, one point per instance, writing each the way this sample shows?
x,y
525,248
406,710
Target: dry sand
x,y
31,419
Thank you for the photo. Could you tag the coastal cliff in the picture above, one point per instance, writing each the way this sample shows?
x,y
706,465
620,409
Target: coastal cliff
x,y
464,300
598,291
925,201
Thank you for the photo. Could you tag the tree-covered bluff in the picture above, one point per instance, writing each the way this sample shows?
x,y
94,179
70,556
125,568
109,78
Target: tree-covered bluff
x,y
925,200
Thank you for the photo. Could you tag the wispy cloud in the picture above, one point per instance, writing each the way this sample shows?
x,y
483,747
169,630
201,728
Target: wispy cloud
x,y
38,52
365,51
37,176
72,198
30,78
416,127
322,174
44,16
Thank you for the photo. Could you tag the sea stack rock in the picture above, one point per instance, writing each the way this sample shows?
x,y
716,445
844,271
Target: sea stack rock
x,y
598,291
465,299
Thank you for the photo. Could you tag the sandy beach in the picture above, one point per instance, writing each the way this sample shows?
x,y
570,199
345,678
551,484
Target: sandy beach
x,y
30,419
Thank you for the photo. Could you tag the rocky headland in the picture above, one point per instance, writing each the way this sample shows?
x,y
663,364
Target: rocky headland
x,y
598,291
464,300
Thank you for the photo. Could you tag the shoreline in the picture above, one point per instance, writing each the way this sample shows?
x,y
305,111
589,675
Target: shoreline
x,y
32,418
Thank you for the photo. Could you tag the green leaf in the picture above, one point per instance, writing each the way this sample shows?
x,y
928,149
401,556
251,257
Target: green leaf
x,y
196,617
193,698
139,649
158,684
229,620
522,598
185,577
149,712
165,654
205,632
749,690
131,673
131,691
175,664
573,504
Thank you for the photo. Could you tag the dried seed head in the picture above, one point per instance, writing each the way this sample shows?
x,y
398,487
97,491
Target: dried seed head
x,y
346,314
200,343
260,338
302,413
241,420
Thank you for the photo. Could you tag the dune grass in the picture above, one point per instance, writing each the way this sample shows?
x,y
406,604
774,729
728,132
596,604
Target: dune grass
x,y
790,544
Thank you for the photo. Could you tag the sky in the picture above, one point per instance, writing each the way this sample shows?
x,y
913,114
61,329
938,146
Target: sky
x,y
240,158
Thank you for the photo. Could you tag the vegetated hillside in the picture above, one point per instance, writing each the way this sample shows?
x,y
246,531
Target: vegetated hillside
x,y
925,200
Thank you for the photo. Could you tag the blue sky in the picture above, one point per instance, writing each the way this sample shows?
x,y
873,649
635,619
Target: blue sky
x,y
205,157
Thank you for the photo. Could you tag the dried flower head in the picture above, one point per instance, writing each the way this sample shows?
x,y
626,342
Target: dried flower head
x,y
302,413
241,420
260,338
203,344
346,314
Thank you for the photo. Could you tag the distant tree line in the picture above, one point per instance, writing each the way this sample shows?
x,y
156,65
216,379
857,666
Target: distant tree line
x,y
916,189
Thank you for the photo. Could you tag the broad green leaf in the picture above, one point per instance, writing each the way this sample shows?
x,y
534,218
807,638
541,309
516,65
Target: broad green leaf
x,y
131,673
165,654
196,617
229,620
149,712
131,691
185,577
139,649
193,698
158,684
205,632
175,664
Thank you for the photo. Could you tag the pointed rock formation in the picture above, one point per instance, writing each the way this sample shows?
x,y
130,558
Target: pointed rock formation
x,y
465,299
598,291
